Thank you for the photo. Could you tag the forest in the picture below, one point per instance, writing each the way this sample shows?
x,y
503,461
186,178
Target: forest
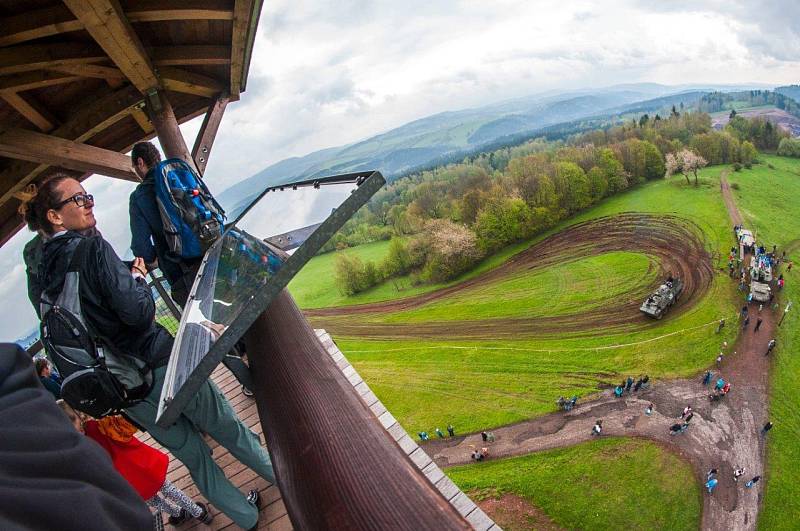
x,y
444,220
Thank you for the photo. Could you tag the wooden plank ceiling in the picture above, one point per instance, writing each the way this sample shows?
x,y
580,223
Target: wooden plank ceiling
x,y
74,75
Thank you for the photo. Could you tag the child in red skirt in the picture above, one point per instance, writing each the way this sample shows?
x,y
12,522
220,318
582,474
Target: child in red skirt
x,y
143,466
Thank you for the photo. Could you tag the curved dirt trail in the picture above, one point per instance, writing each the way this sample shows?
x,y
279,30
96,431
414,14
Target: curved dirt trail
x,y
675,242
723,435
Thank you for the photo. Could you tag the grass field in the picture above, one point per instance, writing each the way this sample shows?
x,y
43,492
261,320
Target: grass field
x,y
604,484
564,289
480,384
770,203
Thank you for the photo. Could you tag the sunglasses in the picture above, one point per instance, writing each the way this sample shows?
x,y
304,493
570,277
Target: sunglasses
x,y
79,199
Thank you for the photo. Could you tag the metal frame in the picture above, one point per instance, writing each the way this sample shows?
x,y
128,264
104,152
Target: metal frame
x,y
170,407
358,178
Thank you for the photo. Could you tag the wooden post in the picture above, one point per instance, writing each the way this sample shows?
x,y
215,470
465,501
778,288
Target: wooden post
x,y
336,465
169,134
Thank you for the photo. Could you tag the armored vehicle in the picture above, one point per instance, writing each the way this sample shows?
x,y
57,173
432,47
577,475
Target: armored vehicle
x,y
661,299
759,291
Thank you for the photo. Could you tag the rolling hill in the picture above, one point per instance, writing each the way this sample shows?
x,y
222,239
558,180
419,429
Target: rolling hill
x,y
424,141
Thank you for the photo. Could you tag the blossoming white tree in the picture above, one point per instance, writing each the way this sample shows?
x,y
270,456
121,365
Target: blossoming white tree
x,y
684,161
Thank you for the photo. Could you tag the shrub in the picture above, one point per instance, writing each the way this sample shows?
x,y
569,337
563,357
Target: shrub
x,y
748,165
453,250
737,166
735,186
354,276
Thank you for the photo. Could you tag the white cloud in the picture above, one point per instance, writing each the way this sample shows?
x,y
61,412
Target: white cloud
x,y
327,73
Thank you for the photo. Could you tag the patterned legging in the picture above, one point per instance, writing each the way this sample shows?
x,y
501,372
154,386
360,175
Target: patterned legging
x,y
170,499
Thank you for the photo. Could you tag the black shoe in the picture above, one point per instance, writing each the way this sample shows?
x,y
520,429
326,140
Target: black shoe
x,y
255,498
206,517
178,520
246,391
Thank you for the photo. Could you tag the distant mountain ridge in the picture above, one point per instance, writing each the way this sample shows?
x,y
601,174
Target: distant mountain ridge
x,y
420,142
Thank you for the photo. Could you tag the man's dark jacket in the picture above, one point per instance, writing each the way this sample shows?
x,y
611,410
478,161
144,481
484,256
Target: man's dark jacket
x,y
117,307
147,230
51,476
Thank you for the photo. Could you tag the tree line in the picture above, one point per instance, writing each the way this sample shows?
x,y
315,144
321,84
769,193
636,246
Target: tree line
x,y
444,220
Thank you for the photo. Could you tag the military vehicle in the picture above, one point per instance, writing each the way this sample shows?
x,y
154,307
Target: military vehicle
x,y
661,299
759,291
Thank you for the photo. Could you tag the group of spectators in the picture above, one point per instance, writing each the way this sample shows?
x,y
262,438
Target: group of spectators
x,y
451,431
117,305
628,385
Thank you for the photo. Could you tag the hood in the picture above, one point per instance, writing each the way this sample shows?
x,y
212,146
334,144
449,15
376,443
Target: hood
x,y
56,255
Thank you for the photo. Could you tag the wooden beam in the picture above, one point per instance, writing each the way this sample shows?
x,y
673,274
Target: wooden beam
x,y
143,121
36,24
89,70
31,109
58,19
156,10
208,132
54,151
101,112
178,80
191,55
30,57
110,28
163,118
10,227
35,80
241,17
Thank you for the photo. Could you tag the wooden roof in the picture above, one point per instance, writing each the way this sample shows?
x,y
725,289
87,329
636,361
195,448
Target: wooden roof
x,y
75,75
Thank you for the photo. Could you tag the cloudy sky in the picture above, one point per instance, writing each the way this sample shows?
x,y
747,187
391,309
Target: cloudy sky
x,y
326,73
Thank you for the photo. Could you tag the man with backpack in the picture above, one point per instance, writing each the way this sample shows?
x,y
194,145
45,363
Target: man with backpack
x,y
98,327
171,229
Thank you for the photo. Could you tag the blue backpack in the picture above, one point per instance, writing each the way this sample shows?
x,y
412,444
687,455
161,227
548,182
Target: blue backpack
x,y
192,218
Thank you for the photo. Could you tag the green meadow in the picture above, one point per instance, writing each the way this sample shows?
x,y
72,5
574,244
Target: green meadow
x,y
603,484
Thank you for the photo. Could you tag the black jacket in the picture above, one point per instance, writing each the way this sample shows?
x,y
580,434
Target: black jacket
x,y
147,230
116,306
51,476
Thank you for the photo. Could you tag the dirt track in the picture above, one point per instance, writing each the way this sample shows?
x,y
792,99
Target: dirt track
x,y
675,242
723,435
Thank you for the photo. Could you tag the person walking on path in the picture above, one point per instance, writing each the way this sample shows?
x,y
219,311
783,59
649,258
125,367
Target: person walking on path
x,y
597,429
758,324
752,482
649,409
628,383
688,417
721,325
766,428
707,377
770,346
719,359
746,322
711,474
711,484
451,430
686,411
439,433
737,473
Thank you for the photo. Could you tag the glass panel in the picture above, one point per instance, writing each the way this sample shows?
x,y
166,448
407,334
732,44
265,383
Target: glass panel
x,y
239,278
232,271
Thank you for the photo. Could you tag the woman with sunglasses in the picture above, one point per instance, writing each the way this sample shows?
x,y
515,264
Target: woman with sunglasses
x,y
117,303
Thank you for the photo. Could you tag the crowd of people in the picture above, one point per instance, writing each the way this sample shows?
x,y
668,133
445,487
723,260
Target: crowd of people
x,y
115,306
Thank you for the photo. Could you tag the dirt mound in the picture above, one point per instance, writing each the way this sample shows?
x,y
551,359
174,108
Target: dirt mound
x,y
676,242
